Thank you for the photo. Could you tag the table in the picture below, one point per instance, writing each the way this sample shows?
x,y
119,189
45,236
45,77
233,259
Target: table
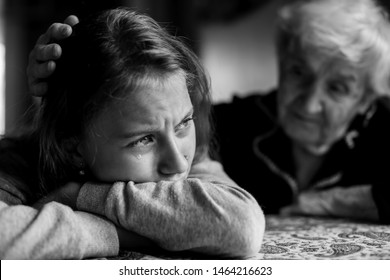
x,y
324,238
307,238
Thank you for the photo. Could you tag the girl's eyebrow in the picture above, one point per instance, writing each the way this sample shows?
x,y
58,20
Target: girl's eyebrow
x,y
152,130
188,115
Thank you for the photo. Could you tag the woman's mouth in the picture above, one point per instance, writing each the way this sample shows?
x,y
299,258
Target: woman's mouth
x,y
306,118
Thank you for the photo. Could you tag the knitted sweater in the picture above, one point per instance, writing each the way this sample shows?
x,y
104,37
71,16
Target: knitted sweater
x,y
207,213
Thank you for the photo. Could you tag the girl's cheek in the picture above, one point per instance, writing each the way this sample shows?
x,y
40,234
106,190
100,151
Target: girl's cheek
x,y
142,169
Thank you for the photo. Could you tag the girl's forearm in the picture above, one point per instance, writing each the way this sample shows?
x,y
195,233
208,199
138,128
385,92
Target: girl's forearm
x,y
209,215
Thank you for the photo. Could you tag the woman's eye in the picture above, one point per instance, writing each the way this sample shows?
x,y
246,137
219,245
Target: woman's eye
x,y
338,89
144,141
185,123
296,70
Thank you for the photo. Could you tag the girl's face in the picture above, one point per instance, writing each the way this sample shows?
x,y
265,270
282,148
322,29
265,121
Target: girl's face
x,y
318,98
147,137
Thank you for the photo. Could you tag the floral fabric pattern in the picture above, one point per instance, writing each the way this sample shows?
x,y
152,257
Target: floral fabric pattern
x,y
307,238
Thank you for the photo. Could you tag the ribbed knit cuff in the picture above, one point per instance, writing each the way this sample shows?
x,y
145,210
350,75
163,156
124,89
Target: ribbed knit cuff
x,y
92,198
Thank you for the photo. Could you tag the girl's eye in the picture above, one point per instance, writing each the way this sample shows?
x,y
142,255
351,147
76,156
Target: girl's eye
x,y
144,141
185,123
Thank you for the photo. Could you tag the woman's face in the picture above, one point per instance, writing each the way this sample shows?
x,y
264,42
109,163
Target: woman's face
x,y
318,98
147,137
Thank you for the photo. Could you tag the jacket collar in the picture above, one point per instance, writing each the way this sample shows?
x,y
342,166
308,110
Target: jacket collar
x,y
274,147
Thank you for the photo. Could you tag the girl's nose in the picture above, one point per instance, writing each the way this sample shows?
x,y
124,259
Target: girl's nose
x,y
172,162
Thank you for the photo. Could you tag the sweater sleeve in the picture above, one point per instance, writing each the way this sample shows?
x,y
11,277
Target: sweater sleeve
x,y
207,213
54,232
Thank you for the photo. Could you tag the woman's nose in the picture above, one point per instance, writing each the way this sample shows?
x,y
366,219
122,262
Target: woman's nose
x,y
312,101
173,161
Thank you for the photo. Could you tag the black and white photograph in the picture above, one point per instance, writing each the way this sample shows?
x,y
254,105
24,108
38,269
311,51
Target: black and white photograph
x,y
240,134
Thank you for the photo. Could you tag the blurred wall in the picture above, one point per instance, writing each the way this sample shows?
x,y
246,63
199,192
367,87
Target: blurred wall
x,y
14,39
240,55
2,69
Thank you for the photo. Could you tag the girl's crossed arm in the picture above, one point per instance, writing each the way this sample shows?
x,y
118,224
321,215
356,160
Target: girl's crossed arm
x,y
53,232
206,213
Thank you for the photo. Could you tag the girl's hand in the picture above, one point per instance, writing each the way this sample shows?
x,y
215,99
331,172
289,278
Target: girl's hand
x,y
42,58
67,195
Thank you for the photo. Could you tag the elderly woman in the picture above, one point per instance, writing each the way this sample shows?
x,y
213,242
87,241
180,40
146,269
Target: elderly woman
x,y
319,144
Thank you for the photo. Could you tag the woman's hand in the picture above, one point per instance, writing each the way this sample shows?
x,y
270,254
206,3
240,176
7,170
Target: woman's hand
x,y
353,202
42,58
67,195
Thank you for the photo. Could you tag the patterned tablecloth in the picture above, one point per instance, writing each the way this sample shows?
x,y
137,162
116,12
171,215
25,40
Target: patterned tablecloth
x,y
321,238
309,238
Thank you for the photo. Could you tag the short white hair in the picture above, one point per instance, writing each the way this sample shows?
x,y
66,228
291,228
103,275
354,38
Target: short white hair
x,y
356,30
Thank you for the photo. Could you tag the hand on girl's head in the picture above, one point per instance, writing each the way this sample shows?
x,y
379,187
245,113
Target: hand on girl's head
x,y
42,58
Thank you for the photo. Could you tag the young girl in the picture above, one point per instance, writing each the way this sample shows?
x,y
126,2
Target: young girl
x,y
122,133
